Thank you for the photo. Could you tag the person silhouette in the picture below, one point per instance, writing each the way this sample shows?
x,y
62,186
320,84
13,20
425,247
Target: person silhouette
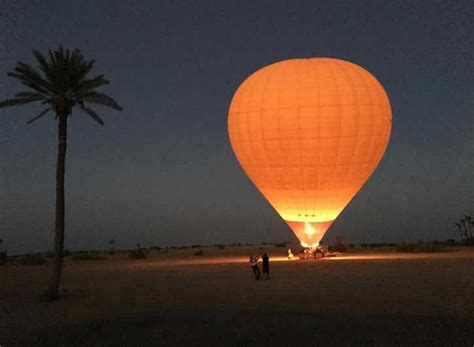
x,y
253,259
266,266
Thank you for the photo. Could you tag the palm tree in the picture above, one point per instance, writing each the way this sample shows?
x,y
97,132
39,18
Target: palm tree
x,y
112,246
468,221
62,83
458,225
463,222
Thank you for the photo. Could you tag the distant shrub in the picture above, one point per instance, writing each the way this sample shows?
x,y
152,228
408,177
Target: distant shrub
x,y
52,254
155,248
219,246
406,247
3,258
418,247
165,251
199,253
87,256
450,243
377,245
281,245
49,254
339,246
137,254
32,259
469,242
429,247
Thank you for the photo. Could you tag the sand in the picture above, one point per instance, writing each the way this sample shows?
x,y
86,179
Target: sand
x,y
360,299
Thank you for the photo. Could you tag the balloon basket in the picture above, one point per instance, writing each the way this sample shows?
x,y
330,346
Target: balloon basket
x,y
318,252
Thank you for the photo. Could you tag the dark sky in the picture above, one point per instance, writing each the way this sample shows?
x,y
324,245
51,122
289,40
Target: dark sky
x,y
162,171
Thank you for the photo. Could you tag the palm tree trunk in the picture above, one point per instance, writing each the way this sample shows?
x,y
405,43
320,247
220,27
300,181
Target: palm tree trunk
x,y
469,222
52,292
466,234
458,225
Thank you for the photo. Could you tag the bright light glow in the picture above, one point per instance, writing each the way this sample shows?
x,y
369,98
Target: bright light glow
x,y
313,245
308,229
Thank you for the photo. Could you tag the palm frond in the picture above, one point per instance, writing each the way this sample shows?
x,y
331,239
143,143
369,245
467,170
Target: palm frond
x,y
27,94
90,84
45,66
92,114
28,73
101,99
86,69
19,101
38,86
39,116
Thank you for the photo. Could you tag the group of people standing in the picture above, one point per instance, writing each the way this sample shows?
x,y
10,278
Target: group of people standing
x,y
253,259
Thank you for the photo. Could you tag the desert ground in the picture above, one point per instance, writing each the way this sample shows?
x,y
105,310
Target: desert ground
x,y
369,297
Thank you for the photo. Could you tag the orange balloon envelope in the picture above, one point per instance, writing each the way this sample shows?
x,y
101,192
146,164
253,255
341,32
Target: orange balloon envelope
x,y
309,133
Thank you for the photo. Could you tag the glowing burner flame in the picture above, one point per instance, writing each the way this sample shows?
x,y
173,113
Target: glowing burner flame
x,y
309,233
311,246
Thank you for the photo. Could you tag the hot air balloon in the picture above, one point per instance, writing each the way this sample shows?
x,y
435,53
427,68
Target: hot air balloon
x,y
309,133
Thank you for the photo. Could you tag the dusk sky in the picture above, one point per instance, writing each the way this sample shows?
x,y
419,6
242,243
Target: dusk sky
x,y
162,171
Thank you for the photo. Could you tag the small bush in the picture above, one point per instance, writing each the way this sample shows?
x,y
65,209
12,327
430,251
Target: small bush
x,y
281,245
49,254
52,254
219,246
406,247
377,245
469,242
3,258
87,256
429,247
199,253
137,254
450,243
339,245
32,259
